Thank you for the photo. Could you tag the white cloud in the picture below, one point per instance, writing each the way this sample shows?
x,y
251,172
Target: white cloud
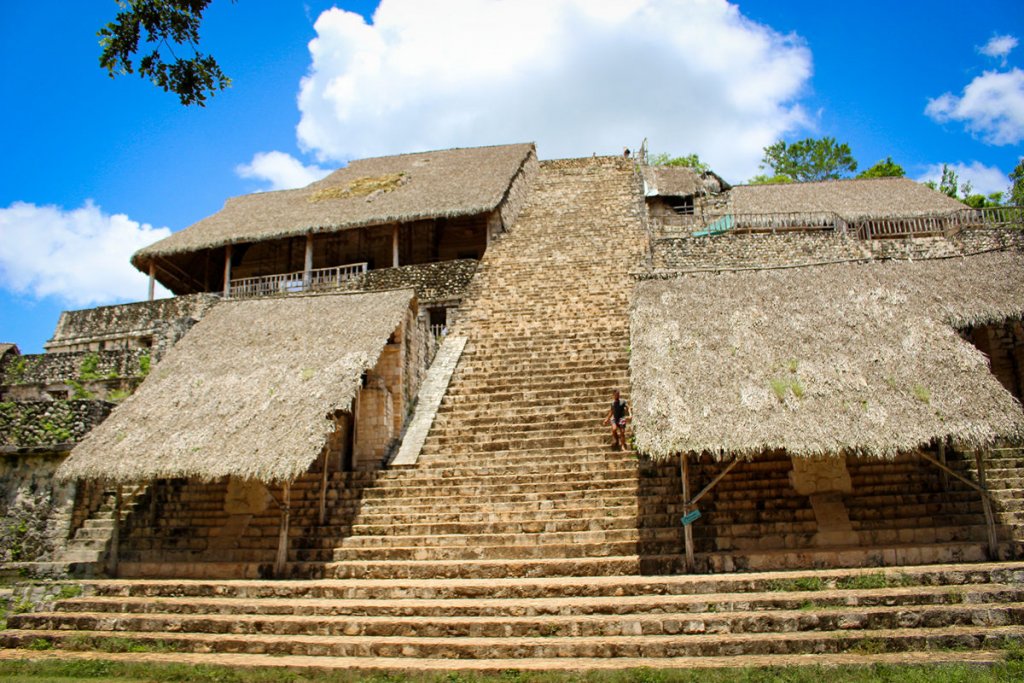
x,y
282,171
992,107
574,76
78,256
983,179
999,47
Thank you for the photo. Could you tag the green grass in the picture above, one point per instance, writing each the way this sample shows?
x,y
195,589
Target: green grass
x,y
100,671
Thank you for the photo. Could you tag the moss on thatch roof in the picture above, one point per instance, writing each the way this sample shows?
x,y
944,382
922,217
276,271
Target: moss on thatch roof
x,y
407,187
851,358
851,199
246,392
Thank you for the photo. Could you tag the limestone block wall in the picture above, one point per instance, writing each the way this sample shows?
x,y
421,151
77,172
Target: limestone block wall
x,y
375,426
35,510
155,324
51,368
440,281
40,424
1004,346
806,248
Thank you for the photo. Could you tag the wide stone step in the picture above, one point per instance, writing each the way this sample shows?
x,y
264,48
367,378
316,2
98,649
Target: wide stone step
x,y
553,550
622,605
622,520
505,475
501,490
484,568
458,540
843,619
810,642
945,577
517,512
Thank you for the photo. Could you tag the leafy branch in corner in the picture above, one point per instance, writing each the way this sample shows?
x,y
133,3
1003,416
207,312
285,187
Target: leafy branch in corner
x,y
165,26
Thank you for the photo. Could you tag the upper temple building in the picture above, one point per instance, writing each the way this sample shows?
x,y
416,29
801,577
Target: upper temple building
x,y
401,370
387,212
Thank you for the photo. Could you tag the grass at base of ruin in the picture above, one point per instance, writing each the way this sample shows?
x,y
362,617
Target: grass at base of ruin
x,y
102,671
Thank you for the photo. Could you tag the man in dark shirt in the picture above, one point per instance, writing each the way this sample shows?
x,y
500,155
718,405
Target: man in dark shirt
x,y
617,416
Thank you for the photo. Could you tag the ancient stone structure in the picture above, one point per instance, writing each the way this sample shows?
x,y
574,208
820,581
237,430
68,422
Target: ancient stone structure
x,y
295,422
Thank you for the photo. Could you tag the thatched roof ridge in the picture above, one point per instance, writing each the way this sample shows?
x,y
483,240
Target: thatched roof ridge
x,y
850,358
4,348
680,181
246,392
424,185
851,199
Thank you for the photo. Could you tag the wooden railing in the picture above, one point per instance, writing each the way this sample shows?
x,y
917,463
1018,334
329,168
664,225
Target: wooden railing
x,y
286,283
946,225
700,225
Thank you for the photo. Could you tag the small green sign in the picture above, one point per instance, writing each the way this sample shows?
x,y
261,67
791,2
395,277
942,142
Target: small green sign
x,y
691,517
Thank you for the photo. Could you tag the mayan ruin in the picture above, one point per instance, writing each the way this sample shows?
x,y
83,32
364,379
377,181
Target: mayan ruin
x,y
367,427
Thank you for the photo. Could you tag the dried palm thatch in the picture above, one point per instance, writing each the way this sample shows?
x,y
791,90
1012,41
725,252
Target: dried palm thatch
x,y
247,392
852,358
680,181
408,187
851,199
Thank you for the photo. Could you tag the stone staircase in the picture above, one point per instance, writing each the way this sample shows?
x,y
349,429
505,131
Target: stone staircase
x,y
517,476
919,614
1005,479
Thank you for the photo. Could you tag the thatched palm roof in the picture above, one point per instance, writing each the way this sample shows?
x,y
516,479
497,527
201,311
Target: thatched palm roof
x,y
851,199
680,181
850,358
246,392
407,187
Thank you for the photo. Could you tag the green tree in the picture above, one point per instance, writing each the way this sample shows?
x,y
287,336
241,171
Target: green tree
x,y
1016,197
810,159
883,169
166,27
689,161
948,184
764,179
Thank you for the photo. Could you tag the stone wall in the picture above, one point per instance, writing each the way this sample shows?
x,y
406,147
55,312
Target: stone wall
x,y
80,366
37,424
157,324
35,510
432,281
1003,343
807,248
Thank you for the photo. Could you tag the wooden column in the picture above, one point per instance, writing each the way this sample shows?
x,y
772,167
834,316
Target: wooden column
x,y
323,485
986,504
115,535
307,273
942,459
227,271
394,247
152,279
684,472
282,537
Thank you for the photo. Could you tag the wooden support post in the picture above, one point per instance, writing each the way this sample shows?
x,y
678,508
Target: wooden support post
x,y
684,472
323,486
115,536
307,271
942,459
152,280
394,247
990,519
282,538
227,271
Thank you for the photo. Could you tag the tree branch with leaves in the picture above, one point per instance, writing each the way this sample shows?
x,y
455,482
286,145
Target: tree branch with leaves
x,y
166,28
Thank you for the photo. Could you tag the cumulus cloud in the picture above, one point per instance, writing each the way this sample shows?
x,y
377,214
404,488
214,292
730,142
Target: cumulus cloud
x,y
282,171
574,76
983,179
999,47
78,256
992,107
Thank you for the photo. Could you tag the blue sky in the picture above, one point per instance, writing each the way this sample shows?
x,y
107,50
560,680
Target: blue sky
x,y
96,168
